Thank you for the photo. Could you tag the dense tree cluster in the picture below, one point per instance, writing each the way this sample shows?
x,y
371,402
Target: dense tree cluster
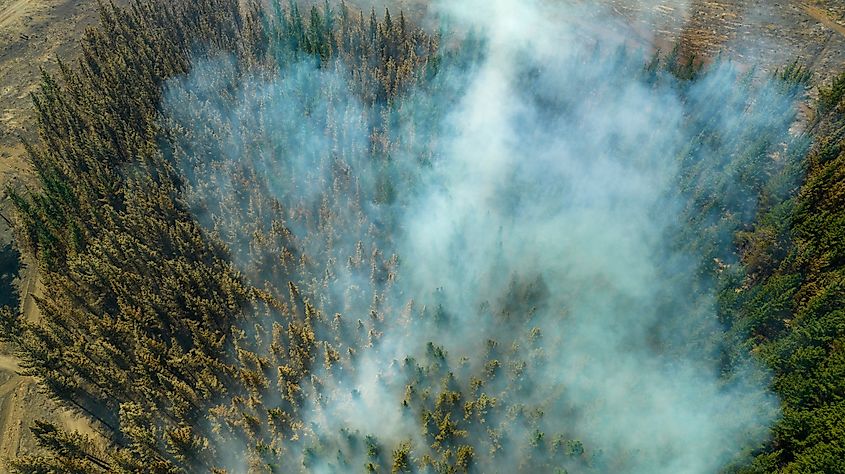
x,y
790,299
139,322
195,308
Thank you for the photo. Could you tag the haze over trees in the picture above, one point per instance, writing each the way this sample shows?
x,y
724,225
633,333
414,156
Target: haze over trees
x,y
286,239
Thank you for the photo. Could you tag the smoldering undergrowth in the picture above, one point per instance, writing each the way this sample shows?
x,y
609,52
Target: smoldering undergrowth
x,y
511,258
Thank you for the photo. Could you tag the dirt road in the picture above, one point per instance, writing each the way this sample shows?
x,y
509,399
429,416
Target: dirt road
x,y
13,11
824,18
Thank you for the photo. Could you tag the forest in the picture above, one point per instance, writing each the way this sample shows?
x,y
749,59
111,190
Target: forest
x,y
286,238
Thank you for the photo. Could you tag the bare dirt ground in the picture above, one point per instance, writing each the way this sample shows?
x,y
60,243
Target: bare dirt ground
x,y
33,33
826,18
764,33
12,12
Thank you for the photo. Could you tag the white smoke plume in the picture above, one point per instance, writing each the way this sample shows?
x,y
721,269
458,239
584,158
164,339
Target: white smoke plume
x,y
538,197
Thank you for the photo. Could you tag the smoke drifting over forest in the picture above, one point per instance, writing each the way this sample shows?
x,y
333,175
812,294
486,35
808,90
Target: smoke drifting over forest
x,y
538,224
